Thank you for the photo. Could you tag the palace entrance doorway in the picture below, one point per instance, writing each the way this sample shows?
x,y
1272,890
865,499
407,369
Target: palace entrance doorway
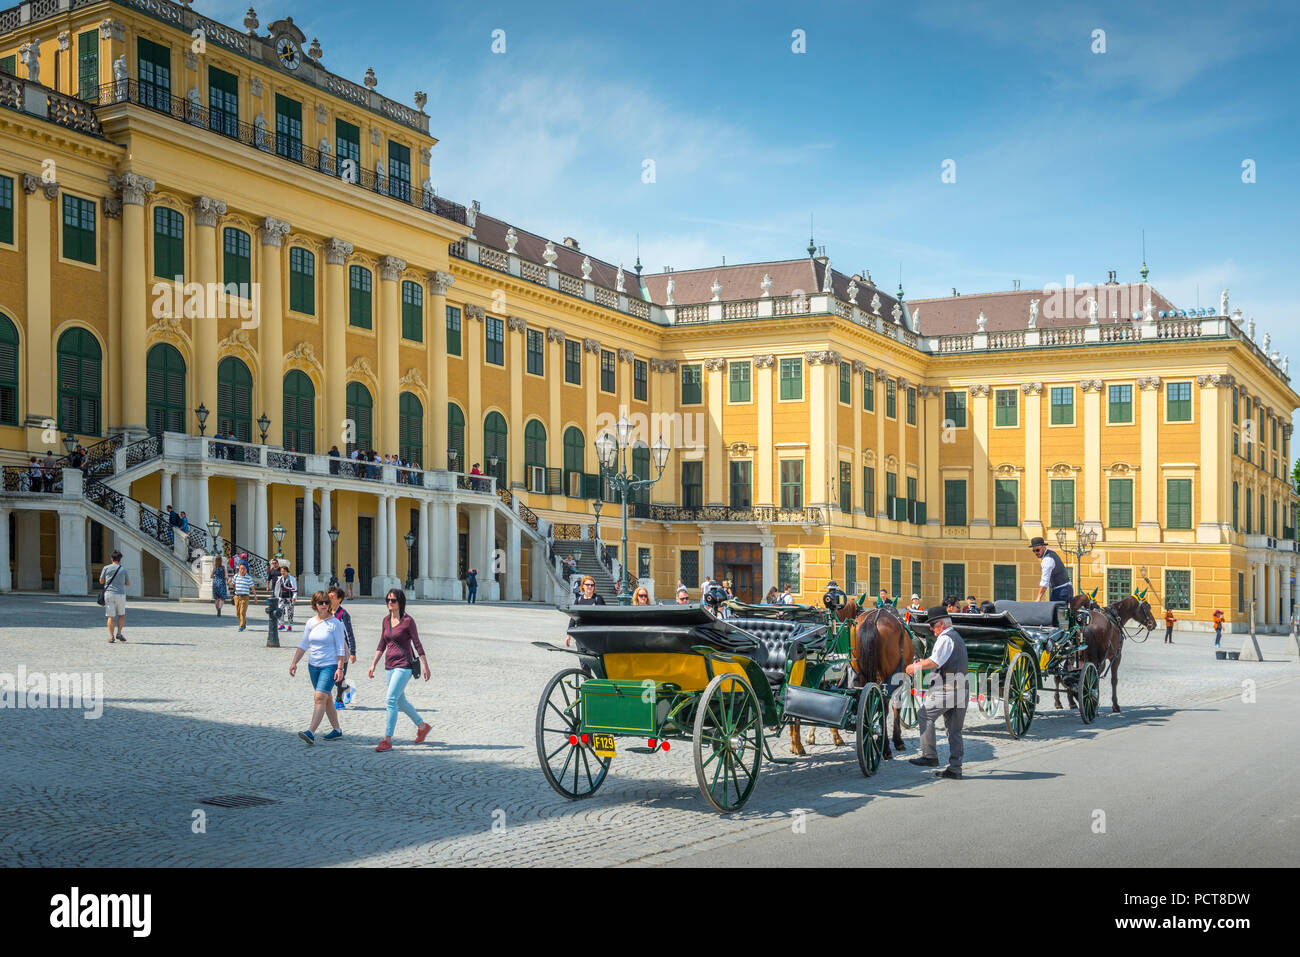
x,y
742,564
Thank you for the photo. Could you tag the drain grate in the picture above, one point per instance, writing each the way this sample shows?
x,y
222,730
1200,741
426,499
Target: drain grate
x,y
238,800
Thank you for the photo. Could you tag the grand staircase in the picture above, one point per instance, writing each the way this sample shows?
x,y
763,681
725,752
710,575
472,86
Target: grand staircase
x,y
587,554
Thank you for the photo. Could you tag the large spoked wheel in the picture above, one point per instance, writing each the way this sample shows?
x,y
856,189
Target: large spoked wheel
x,y
573,769
871,729
1020,695
1087,692
728,742
908,696
989,702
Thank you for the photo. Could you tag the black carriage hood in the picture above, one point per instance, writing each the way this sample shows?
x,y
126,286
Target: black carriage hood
x,y
659,629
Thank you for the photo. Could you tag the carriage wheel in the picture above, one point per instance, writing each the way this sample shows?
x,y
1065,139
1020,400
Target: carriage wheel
x,y
907,710
728,742
989,703
574,770
1087,692
1020,695
871,729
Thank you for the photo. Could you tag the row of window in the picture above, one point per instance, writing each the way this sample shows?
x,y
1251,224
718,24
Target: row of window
x,y
1250,526
1251,432
1006,503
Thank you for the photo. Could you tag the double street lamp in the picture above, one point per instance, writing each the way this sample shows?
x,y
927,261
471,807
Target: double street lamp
x,y
1084,540
608,449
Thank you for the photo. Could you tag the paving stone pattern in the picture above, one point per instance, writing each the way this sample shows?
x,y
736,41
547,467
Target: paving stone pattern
x,y
196,709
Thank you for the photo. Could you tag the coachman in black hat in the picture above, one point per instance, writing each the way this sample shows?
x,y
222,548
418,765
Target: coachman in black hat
x,y
1054,585
947,695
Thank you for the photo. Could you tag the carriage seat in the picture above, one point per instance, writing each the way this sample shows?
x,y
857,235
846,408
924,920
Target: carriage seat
x,y
774,639
1031,614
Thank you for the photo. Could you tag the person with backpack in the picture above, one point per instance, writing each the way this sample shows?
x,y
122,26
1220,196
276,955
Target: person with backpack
x,y
399,643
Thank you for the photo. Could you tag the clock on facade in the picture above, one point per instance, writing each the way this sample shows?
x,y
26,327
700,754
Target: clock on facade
x,y
287,50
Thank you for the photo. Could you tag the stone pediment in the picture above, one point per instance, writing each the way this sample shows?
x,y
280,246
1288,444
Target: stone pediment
x,y
287,26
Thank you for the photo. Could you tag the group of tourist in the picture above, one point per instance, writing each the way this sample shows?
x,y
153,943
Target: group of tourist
x,y
370,464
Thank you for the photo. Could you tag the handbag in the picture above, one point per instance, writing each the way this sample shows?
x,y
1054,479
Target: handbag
x,y
104,587
411,662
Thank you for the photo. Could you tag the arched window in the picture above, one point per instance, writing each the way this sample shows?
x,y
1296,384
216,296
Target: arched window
x,y
235,399
575,456
299,412
495,443
456,437
410,428
359,409
164,404
8,371
534,444
79,377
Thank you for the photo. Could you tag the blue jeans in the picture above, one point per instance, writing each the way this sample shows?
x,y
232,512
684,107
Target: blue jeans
x,y
473,594
322,678
397,679
1062,592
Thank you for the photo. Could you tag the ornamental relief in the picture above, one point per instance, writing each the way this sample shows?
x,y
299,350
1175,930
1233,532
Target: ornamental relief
x,y
360,369
764,361
869,456
891,461
170,330
1120,468
1008,470
737,449
412,379
1064,470
239,345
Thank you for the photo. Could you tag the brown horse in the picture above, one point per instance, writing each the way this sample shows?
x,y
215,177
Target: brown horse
x,y
880,648
1104,637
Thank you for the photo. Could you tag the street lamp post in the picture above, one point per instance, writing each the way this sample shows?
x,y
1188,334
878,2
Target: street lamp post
x,y
409,538
69,442
333,533
214,529
1085,539
596,506
830,506
264,424
452,455
608,449
278,533
201,413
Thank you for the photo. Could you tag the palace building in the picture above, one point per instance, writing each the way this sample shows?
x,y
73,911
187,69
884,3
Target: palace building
x,y
204,232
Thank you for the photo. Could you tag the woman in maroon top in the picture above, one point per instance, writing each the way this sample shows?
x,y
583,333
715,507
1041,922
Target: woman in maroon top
x,y
399,642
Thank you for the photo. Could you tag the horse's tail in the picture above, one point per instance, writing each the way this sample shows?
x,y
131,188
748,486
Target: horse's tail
x,y
869,647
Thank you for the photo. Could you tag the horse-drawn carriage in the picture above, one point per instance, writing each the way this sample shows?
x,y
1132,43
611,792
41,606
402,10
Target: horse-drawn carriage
x,y
667,673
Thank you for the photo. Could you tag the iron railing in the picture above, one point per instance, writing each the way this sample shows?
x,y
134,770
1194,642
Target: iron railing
x,y
230,451
759,515
145,450
370,471
474,483
18,478
101,458
156,526
109,499
286,461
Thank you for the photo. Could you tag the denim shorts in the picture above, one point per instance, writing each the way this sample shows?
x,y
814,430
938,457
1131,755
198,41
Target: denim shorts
x,y
322,678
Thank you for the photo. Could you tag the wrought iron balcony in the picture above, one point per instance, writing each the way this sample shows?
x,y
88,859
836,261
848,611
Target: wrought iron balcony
x,y
760,515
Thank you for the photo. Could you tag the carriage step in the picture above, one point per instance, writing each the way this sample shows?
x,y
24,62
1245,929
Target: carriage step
x,y
811,704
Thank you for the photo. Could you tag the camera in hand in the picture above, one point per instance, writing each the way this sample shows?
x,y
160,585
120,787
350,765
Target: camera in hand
x,y
715,596
834,599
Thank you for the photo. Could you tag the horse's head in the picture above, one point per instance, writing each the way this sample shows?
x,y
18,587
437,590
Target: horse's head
x,y
1143,614
849,611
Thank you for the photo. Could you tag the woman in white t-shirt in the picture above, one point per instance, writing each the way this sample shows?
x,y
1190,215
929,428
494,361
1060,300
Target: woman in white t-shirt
x,y
325,642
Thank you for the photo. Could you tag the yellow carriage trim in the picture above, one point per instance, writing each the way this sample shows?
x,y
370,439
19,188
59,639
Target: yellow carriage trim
x,y
796,673
685,671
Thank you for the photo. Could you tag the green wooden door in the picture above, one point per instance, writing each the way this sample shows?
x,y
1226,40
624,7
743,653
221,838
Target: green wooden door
x,y
164,390
299,413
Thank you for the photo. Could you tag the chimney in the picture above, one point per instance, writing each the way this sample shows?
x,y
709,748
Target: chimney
x,y
1015,285
954,292
1110,278
571,243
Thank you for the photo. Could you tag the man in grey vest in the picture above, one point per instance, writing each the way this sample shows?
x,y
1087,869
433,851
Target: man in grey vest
x,y
947,695
1054,585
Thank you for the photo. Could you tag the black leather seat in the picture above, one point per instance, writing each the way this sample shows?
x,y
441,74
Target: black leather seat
x,y
1031,614
774,640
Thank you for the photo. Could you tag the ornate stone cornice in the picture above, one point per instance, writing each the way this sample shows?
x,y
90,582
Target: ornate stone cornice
x,y
826,357
1031,388
554,335
440,282
1008,470
32,182
412,377
739,448
715,364
391,268
516,324
112,207
1217,380
112,30
626,355
859,367
1148,382
1120,468
132,186
337,251
902,384
663,365
477,313
882,374
361,367
207,209
1064,470
304,351
980,389
1091,385
273,231
591,345
764,362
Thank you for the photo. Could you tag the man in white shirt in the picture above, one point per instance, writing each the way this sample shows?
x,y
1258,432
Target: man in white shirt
x,y
947,695
1054,584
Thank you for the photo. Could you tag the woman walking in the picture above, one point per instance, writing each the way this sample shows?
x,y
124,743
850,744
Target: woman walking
x,y
327,650
399,643
341,613
220,593
286,589
244,589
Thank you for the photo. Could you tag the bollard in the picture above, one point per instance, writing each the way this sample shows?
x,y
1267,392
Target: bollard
x,y
273,620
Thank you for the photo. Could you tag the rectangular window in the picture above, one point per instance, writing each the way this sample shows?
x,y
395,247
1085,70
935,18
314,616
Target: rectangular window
x,y
494,331
640,380
738,378
690,570
88,66
1120,404
168,243
891,399
288,128
891,493
1250,525
692,484
954,410
643,563
792,483
1062,405
868,392
78,229
916,579
155,84
1178,589
412,311
787,571
237,259
1241,593
1062,503
846,488
1178,499
608,375
869,490
1006,502
359,297
896,577
1236,495
9,64
302,281
453,330
1235,399
536,352
399,171
573,361
846,383
740,484
223,102
1004,582
873,576
954,580
692,384
7,210
1007,410
1178,402
1119,584
911,497
347,146
954,502
791,379
851,574
911,405
1121,503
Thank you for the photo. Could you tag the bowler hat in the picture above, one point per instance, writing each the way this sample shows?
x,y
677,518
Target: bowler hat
x,y
937,613
1036,541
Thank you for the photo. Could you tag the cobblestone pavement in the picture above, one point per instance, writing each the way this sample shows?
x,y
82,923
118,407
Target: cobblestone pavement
x,y
194,708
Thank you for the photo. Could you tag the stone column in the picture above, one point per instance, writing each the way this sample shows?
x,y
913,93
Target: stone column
x,y
931,426
166,494
27,530
769,566
1092,422
201,505
715,463
514,574
379,582
423,581
261,533
472,348
326,546
245,514
1031,506
901,422
135,301
590,389
206,212
436,349
516,330
706,562
856,393
310,582
1148,529
74,574
980,461
817,418
881,374
41,251
388,332
487,583
334,315
395,536
1214,525
625,359
6,576
1284,576
554,417
270,330
131,559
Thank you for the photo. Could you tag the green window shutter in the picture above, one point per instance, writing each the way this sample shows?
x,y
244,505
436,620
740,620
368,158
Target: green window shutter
x,y
739,380
299,412
534,444
410,429
9,64
78,364
1178,589
911,405
359,297
1178,396
347,140
8,376
869,490
916,579
1006,502
1121,503
740,485
1007,409
692,379
954,409
88,66
168,243
1063,406
79,240
954,502
640,379
456,434
536,343
1119,584
399,171
1178,499
288,127
954,580
453,330
608,375
494,334
155,74
235,399
895,576
868,392
873,576
846,383
791,379
223,102
164,390
1004,582
237,261
1121,404
412,311
1062,503
846,488
302,281
851,575
359,409
891,399
7,210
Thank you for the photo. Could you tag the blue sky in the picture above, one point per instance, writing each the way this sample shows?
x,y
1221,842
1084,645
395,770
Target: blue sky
x,y
1063,156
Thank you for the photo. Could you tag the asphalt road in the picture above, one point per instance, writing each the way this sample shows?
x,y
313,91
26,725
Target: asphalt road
x,y
1213,785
